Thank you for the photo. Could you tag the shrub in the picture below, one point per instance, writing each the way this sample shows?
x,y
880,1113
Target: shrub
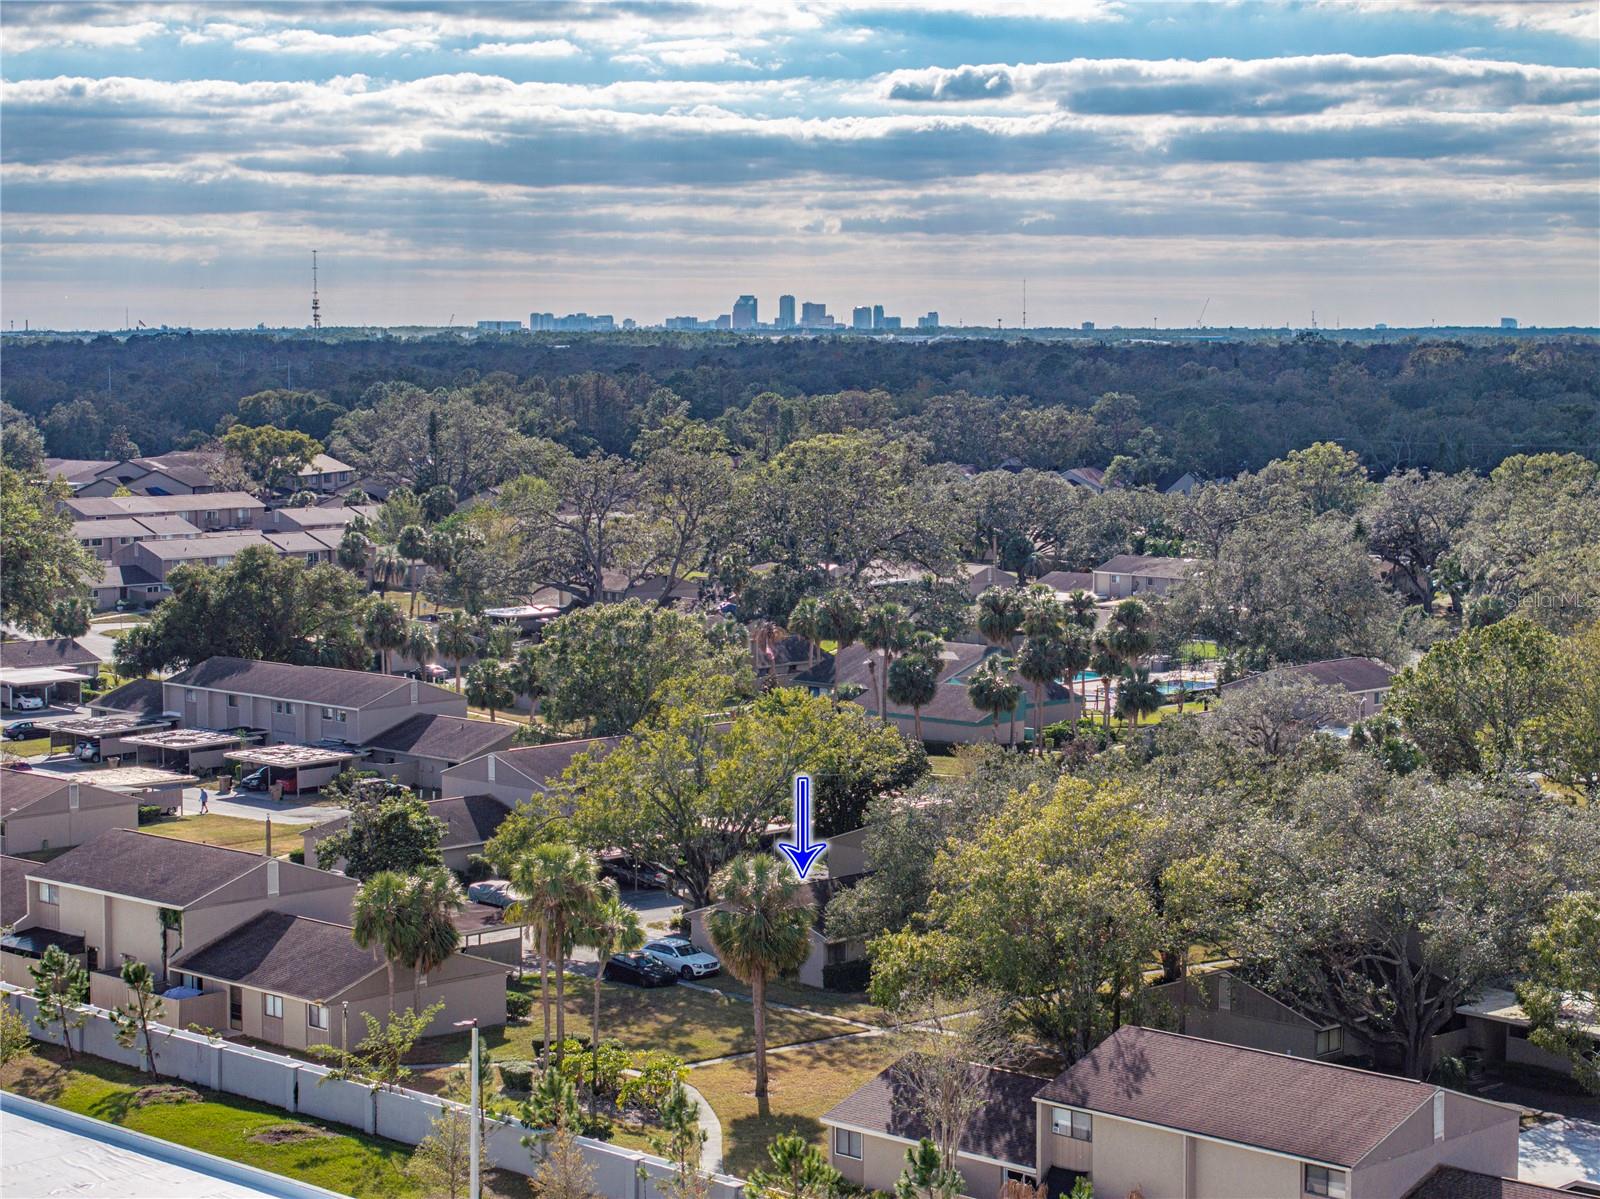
x,y
659,1072
847,976
149,813
517,1076
578,1065
298,856
478,869
518,1004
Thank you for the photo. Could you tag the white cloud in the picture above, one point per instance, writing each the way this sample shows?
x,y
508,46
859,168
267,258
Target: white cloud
x,y
19,38
311,41
552,48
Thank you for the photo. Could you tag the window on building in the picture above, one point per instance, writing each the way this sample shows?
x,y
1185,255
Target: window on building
x,y
838,951
847,1143
316,1016
191,980
1225,993
1068,1123
211,517
233,701
96,542
274,1006
334,714
1330,1040
1021,1176
283,707
48,893
1320,1180
191,696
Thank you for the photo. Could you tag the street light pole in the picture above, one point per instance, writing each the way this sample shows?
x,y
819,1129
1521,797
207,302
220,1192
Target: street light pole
x,y
474,1186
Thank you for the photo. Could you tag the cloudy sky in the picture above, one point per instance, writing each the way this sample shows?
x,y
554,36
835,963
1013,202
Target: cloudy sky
x,y
1403,161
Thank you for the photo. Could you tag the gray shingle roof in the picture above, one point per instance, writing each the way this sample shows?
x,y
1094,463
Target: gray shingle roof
x,y
290,955
91,507
1145,564
131,575
1003,1128
143,866
545,763
46,651
447,738
1325,1113
951,701
1353,674
308,684
141,696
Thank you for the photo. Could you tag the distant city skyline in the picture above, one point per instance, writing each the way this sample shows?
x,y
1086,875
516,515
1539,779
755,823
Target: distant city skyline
x,y
1377,161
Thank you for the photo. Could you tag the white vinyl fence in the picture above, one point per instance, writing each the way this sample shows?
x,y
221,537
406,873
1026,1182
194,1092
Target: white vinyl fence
x,y
296,1086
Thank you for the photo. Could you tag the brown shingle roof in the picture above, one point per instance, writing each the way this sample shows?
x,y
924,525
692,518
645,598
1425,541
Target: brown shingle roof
x,y
23,788
46,651
1067,580
143,866
291,955
1003,1128
468,819
308,684
448,738
1447,1182
1325,1113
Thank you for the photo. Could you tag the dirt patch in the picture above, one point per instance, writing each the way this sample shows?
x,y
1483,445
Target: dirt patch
x,y
164,1093
290,1134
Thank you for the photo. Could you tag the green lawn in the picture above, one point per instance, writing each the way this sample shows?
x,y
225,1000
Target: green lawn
x,y
230,832
30,748
850,1006
688,1023
804,1084
261,1136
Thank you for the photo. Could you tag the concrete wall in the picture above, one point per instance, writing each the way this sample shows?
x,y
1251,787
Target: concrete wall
x,y
1221,1171
400,1114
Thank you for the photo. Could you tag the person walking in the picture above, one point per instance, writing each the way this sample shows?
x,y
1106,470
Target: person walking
x,y
205,802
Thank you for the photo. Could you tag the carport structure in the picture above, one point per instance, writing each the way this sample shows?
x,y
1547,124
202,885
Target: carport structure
x,y
108,734
191,750
42,681
299,768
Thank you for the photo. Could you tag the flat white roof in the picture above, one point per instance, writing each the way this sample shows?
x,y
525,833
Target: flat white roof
x,y
34,676
130,780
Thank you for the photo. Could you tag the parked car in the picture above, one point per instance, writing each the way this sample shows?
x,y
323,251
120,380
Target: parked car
x,y
256,780
631,873
638,969
496,892
683,956
24,730
88,751
27,703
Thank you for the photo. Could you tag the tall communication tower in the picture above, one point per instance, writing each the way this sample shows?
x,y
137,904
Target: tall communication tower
x,y
316,304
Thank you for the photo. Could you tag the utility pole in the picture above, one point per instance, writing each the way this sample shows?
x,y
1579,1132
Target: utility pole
x,y
316,304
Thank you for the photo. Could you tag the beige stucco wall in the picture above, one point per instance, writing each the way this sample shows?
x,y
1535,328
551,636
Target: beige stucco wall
x,y
1129,1156
52,823
847,853
1479,1136
509,785
301,891
1231,1172
1057,1150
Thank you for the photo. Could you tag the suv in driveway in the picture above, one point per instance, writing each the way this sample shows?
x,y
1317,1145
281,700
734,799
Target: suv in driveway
x,y
684,956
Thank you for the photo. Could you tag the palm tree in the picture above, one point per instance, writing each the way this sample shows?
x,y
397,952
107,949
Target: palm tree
x,y
887,629
419,644
762,932
1103,659
387,566
522,673
70,617
489,686
455,639
435,899
354,547
383,919
1000,611
765,637
1137,696
1082,606
992,689
914,681
612,927
1040,660
805,620
385,629
561,884
412,543
841,618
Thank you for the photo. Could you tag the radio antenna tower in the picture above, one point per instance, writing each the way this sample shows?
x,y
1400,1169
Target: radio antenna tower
x,y
1024,303
316,304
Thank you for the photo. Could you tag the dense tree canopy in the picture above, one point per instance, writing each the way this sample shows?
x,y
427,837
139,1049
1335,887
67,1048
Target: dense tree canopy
x,y
40,562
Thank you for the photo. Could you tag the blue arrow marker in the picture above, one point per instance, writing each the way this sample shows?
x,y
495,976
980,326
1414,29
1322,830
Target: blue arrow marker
x,y
806,852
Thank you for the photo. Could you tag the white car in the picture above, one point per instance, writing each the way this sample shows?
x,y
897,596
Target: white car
x,y
27,703
496,892
683,956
